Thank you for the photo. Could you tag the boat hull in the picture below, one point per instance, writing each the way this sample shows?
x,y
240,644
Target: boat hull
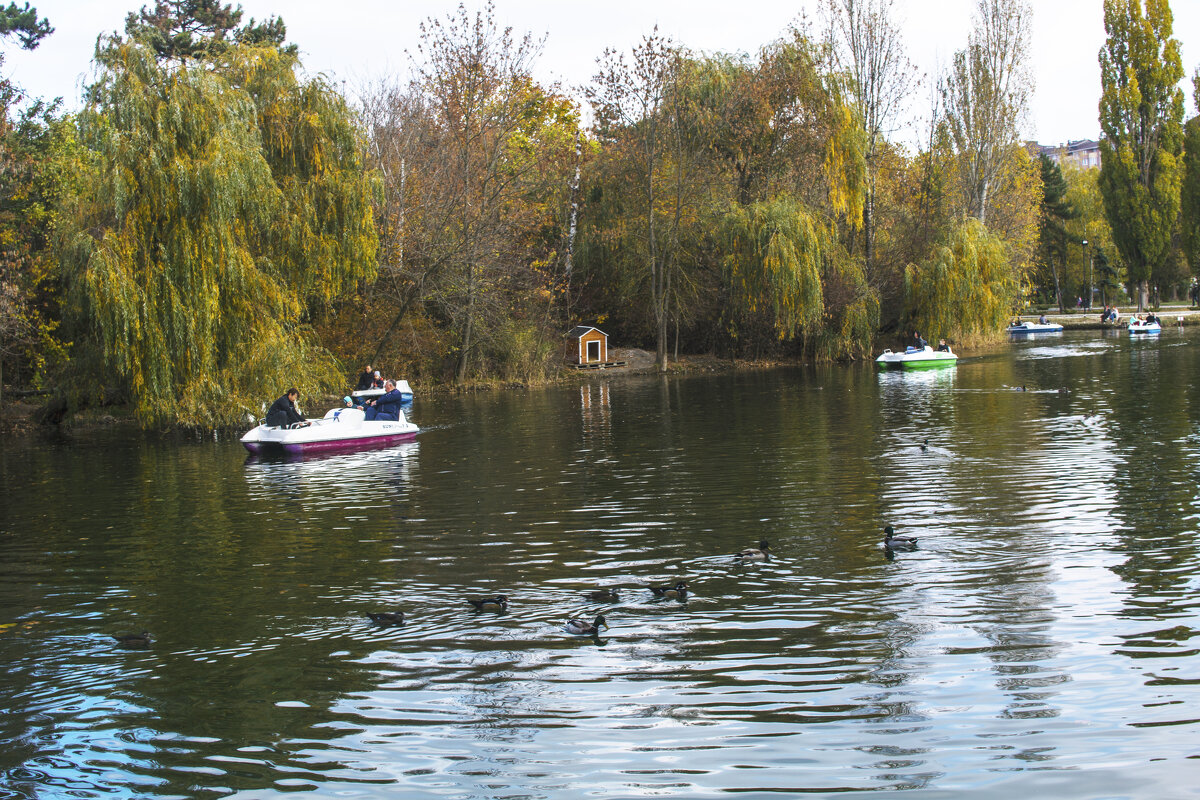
x,y
919,359
340,430
1144,330
1028,328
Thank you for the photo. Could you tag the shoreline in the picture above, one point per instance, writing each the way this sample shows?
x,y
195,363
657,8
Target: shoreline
x,y
16,418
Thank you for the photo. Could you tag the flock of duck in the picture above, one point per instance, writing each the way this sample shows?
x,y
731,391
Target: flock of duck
x,y
578,625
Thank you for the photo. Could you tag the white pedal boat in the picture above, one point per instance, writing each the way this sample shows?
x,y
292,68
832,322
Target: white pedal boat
x,y
911,358
406,392
339,429
1138,326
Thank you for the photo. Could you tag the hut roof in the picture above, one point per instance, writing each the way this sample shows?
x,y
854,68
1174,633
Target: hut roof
x,y
580,330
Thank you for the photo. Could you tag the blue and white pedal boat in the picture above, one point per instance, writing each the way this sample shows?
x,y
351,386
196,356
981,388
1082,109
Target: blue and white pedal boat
x,y
1137,326
1028,328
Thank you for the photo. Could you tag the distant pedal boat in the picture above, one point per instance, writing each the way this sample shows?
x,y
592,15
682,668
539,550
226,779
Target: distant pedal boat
x,y
1138,326
1026,328
406,392
339,429
912,358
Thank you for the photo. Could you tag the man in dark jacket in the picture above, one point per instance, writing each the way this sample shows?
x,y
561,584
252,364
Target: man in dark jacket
x,y
387,406
366,379
284,411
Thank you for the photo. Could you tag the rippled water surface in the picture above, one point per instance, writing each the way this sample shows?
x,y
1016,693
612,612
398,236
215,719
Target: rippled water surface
x,y
1042,640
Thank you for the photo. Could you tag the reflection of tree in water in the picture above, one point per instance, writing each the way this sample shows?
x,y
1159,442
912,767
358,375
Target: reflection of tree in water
x,y
1156,502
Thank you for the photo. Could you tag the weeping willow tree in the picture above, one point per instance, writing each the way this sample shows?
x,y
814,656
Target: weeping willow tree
x,y
219,205
785,260
966,290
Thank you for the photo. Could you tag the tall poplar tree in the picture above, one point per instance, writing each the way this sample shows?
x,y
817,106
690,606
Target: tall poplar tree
x,y
1189,211
1141,119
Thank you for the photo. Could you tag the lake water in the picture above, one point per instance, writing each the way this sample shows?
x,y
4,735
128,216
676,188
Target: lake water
x,y
1042,641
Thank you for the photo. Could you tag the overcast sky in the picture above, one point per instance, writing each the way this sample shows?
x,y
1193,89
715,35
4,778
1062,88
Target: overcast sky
x,y
357,41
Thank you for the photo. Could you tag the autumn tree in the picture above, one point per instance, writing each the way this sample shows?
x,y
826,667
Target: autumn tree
x,y
220,203
1141,119
985,96
868,46
475,158
24,219
630,101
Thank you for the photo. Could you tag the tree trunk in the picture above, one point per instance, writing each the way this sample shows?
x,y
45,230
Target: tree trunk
x,y
468,328
1143,295
1057,288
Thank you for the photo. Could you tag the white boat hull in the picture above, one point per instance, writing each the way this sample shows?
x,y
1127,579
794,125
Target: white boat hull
x,y
1152,327
340,429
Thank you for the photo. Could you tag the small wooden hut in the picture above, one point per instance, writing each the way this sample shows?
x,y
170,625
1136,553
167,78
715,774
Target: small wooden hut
x,y
591,345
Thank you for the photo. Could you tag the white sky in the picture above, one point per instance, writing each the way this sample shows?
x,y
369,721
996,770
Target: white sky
x,y
359,40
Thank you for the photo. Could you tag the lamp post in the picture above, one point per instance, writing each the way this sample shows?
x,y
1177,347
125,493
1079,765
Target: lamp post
x,y
1091,286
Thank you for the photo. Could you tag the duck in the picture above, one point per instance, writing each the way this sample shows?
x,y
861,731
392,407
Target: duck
x,y
386,618
497,603
893,542
134,641
603,595
677,592
924,445
581,627
760,553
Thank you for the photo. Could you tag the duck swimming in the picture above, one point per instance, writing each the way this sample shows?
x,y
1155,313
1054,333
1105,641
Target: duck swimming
x,y
677,592
497,603
386,618
603,596
134,641
760,553
893,542
581,627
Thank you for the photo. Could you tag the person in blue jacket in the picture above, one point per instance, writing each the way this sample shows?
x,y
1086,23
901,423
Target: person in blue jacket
x,y
386,407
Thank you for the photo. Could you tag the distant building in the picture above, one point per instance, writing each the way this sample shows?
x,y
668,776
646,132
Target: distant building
x,y
1083,153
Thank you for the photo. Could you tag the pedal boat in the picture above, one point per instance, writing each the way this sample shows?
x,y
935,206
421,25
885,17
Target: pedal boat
x,y
912,358
339,429
1138,326
406,392
1034,327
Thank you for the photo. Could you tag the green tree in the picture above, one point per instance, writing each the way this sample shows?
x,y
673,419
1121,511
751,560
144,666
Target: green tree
x,y
219,202
1189,211
1053,238
200,29
1141,119
24,24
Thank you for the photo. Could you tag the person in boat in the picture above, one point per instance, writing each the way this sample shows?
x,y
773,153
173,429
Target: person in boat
x,y
1042,320
942,346
1151,318
918,343
386,407
284,412
366,379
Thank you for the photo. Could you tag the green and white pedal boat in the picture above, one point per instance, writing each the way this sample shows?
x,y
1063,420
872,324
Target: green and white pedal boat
x,y
912,358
